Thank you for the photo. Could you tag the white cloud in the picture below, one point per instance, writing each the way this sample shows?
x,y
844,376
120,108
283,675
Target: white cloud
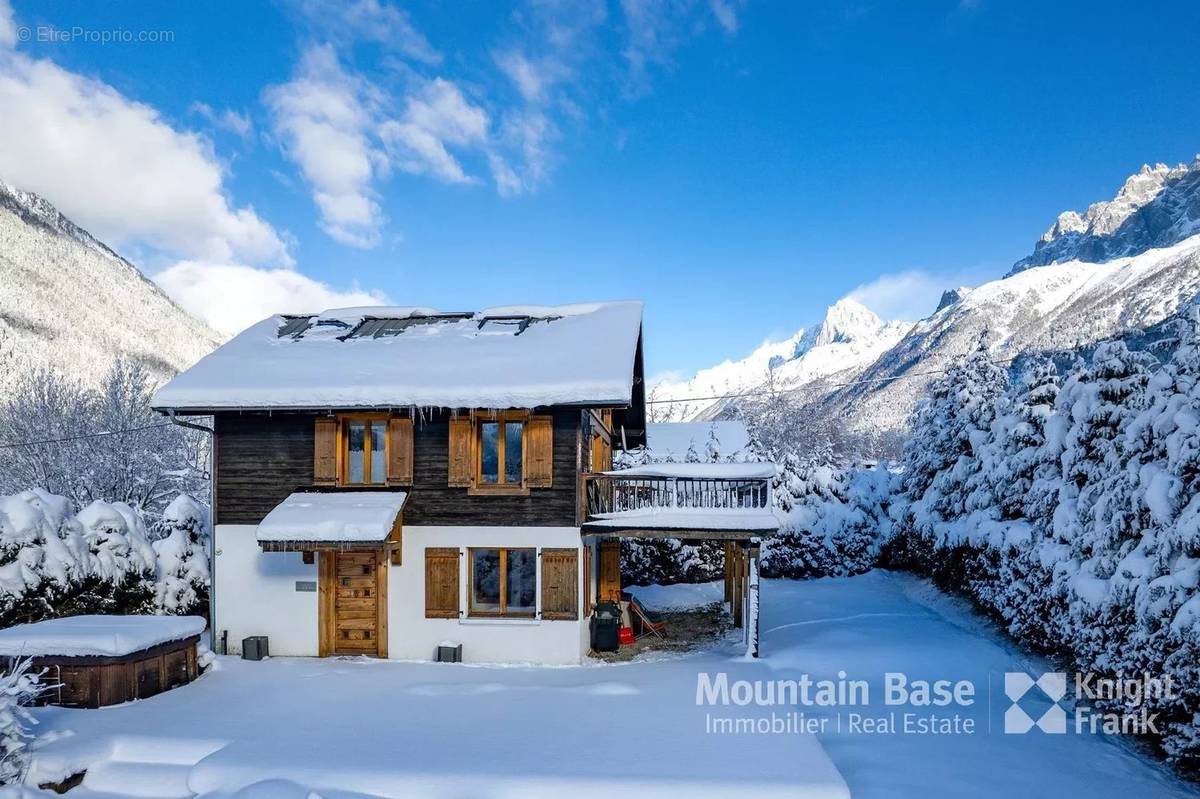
x,y
227,119
914,293
527,134
726,14
655,29
524,74
231,297
368,21
323,115
8,25
116,167
534,78
436,116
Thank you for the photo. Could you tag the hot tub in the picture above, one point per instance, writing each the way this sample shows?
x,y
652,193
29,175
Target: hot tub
x,y
93,661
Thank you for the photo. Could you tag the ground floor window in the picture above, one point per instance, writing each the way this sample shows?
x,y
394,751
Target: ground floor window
x,y
503,582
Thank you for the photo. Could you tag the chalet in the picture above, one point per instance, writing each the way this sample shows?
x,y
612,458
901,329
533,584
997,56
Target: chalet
x,y
387,479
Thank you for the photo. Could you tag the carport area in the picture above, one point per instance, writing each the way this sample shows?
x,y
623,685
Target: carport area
x,y
728,503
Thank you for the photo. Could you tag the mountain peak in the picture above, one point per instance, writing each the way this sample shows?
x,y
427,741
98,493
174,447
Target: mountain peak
x,y
1156,206
951,296
845,320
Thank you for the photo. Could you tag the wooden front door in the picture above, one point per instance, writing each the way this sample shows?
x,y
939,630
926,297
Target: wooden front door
x,y
358,616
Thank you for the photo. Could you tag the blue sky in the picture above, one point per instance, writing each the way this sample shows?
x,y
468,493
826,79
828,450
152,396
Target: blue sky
x,y
737,165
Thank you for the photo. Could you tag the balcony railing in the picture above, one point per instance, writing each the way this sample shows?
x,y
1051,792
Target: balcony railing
x,y
614,494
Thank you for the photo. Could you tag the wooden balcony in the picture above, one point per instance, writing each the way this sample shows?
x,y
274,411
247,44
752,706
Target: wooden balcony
x,y
647,503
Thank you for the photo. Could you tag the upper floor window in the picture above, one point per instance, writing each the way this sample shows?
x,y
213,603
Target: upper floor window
x,y
364,450
502,451
361,449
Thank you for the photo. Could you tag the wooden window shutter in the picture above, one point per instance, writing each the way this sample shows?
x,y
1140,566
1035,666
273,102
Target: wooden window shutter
x,y
462,464
539,452
560,584
325,441
441,583
400,452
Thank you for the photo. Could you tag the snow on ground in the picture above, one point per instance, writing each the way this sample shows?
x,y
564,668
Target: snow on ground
x,y
683,596
346,727
882,622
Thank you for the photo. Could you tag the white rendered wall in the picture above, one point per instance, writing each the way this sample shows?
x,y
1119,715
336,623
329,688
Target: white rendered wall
x,y
412,636
255,593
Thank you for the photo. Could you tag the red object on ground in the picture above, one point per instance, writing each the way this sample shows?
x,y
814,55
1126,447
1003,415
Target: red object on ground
x,y
625,636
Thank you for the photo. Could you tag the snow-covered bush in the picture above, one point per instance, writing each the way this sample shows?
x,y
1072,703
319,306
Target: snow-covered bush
x,y
56,562
1069,508
181,557
835,518
18,690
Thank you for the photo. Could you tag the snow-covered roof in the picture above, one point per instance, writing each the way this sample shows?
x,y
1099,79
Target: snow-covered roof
x,y
748,520
704,471
506,357
671,440
343,517
102,636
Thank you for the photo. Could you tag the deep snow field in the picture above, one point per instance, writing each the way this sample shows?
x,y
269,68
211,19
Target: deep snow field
x,y
345,728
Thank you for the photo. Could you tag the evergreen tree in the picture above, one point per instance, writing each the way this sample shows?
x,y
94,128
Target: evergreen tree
x,y
182,577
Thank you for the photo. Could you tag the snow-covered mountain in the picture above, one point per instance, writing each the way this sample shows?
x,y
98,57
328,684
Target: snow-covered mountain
x,y
68,302
1126,263
1044,308
848,339
1157,207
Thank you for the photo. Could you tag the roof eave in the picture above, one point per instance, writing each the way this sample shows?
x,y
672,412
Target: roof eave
x,y
209,410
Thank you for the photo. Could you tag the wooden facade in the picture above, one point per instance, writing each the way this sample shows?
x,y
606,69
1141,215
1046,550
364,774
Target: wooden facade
x,y
261,458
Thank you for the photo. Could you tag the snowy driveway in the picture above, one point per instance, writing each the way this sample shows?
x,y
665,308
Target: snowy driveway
x,y
408,729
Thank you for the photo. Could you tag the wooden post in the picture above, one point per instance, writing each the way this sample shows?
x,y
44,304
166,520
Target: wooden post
x,y
728,570
738,586
755,595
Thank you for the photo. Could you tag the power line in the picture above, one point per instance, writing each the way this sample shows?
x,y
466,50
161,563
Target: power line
x,y
83,436
802,388
714,397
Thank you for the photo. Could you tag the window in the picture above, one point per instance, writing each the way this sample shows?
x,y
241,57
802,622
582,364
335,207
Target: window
x,y
501,445
364,451
503,582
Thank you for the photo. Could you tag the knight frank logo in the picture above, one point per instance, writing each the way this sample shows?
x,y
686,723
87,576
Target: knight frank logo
x,y
1018,684
1116,705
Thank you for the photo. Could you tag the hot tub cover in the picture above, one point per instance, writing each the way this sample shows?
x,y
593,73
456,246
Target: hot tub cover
x,y
342,517
102,636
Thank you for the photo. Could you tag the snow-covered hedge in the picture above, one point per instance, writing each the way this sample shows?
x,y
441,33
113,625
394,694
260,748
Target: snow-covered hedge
x,y
55,561
1068,505
834,518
